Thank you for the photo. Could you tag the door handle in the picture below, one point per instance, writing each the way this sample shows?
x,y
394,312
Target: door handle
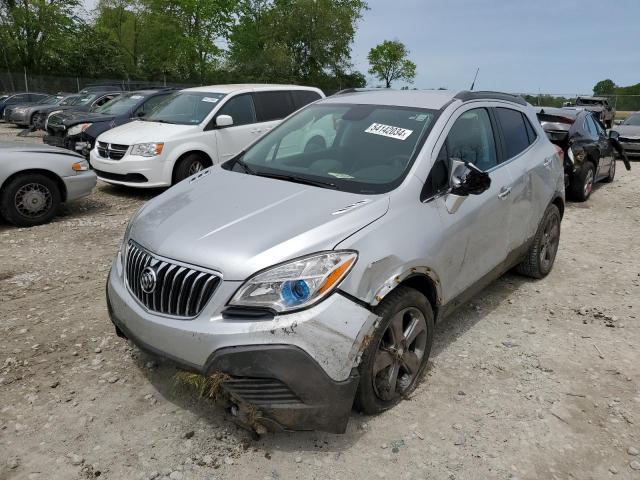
x,y
547,162
504,192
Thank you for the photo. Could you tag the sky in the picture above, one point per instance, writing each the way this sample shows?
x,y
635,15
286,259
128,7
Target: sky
x,y
521,46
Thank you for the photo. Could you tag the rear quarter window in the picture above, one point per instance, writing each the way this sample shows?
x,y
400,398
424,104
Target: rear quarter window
x,y
514,131
304,97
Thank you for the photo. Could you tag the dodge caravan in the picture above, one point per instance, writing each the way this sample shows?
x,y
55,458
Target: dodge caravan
x,y
191,130
311,273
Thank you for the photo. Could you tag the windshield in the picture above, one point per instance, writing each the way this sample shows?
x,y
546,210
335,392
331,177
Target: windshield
x,y
633,120
74,100
120,105
185,108
589,101
52,100
355,148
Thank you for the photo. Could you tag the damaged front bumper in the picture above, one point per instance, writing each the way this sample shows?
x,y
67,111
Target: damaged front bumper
x,y
299,371
77,143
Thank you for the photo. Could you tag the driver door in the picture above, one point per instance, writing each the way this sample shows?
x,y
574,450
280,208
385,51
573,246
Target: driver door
x,y
475,237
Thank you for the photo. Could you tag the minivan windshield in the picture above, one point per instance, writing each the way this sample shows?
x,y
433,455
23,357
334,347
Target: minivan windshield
x,y
633,120
185,108
355,148
121,104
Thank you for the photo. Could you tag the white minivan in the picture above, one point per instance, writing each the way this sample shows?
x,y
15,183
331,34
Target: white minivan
x,y
193,129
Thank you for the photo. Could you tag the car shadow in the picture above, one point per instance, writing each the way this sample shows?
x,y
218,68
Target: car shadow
x,y
123,191
447,332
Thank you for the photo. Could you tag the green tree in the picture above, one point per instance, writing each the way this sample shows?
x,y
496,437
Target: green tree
x,y
388,62
604,87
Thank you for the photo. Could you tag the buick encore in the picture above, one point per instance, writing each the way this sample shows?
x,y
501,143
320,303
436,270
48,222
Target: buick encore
x,y
191,130
311,273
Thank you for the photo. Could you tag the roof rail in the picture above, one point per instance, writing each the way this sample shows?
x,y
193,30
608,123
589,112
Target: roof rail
x,y
351,90
467,96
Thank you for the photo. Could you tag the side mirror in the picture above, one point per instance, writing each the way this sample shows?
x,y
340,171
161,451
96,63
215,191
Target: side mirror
x,y
613,135
224,121
466,179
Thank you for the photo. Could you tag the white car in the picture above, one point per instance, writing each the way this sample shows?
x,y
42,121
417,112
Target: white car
x,y
193,129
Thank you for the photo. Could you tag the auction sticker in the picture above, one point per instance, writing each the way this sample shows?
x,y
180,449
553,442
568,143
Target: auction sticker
x,y
389,131
209,99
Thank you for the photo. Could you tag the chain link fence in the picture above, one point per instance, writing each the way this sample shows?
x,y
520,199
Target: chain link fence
x,y
24,82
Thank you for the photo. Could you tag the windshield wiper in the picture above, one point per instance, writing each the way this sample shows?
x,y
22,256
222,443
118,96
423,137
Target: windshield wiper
x,y
161,121
295,179
245,167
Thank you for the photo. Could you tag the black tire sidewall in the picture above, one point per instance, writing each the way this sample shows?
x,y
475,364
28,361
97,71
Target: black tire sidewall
x,y
552,210
402,297
182,168
580,181
7,200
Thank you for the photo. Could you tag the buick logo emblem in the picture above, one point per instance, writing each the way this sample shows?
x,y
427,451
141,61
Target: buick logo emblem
x,y
148,280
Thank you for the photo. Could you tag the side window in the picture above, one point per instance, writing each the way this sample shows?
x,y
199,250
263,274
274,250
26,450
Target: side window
x,y
149,105
591,126
102,100
304,97
21,98
438,179
471,139
531,133
598,126
273,105
240,108
514,130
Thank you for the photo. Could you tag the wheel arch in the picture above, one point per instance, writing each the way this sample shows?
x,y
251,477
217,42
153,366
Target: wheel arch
x,y
201,153
559,202
47,173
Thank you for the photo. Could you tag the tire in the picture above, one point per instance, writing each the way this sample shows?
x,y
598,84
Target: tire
x,y
612,172
189,165
542,252
401,308
30,199
581,184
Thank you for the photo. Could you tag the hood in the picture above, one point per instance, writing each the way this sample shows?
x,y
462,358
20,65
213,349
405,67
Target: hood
x,y
142,132
73,117
239,224
35,148
628,131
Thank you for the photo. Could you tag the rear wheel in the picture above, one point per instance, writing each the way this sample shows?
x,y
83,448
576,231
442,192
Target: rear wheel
x,y
397,355
189,165
30,199
612,172
542,252
582,182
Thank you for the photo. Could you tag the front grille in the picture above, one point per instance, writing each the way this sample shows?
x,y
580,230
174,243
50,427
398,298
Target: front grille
x,y
629,140
7,112
180,290
112,151
261,391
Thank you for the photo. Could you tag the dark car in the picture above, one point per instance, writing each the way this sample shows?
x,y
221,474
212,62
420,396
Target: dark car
x,y
78,130
22,114
20,98
589,154
86,102
628,133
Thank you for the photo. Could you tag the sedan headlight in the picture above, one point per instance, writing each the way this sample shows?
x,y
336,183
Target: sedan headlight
x,y
77,129
147,149
297,284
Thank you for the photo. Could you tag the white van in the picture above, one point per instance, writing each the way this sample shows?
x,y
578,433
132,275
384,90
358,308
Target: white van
x,y
193,129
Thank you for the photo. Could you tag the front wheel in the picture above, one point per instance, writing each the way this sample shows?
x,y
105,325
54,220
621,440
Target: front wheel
x,y
398,351
30,199
189,165
542,252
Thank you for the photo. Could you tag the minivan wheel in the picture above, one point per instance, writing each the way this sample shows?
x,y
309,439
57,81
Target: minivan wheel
x,y
542,252
30,199
398,350
582,182
189,165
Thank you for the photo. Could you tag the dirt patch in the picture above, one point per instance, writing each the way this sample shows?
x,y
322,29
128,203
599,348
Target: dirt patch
x,y
531,380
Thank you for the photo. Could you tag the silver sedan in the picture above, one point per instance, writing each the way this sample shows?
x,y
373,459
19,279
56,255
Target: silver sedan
x,y
36,179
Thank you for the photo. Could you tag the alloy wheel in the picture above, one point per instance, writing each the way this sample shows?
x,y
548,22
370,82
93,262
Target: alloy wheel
x,y
399,354
588,183
550,242
33,200
195,167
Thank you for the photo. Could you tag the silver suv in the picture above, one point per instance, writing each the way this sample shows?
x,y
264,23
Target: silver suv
x,y
311,268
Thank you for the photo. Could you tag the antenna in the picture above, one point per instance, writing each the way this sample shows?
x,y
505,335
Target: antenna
x,y
474,79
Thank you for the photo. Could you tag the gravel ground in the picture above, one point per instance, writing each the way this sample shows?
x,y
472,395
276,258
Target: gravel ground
x,y
531,380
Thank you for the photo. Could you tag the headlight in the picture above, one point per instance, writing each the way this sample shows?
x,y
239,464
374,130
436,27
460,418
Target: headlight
x,y
77,129
296,284
147,149
19,110
80,166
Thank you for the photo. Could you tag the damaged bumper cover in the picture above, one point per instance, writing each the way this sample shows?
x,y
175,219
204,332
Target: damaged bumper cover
x,y
298,370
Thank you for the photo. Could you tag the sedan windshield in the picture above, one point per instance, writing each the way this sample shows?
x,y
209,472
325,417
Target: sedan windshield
x,y
52,100
73,100
633,120
185,108
120,105
355,148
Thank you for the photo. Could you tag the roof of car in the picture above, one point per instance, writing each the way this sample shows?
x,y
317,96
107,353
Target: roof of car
x,y
560,112
430,99
231,88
